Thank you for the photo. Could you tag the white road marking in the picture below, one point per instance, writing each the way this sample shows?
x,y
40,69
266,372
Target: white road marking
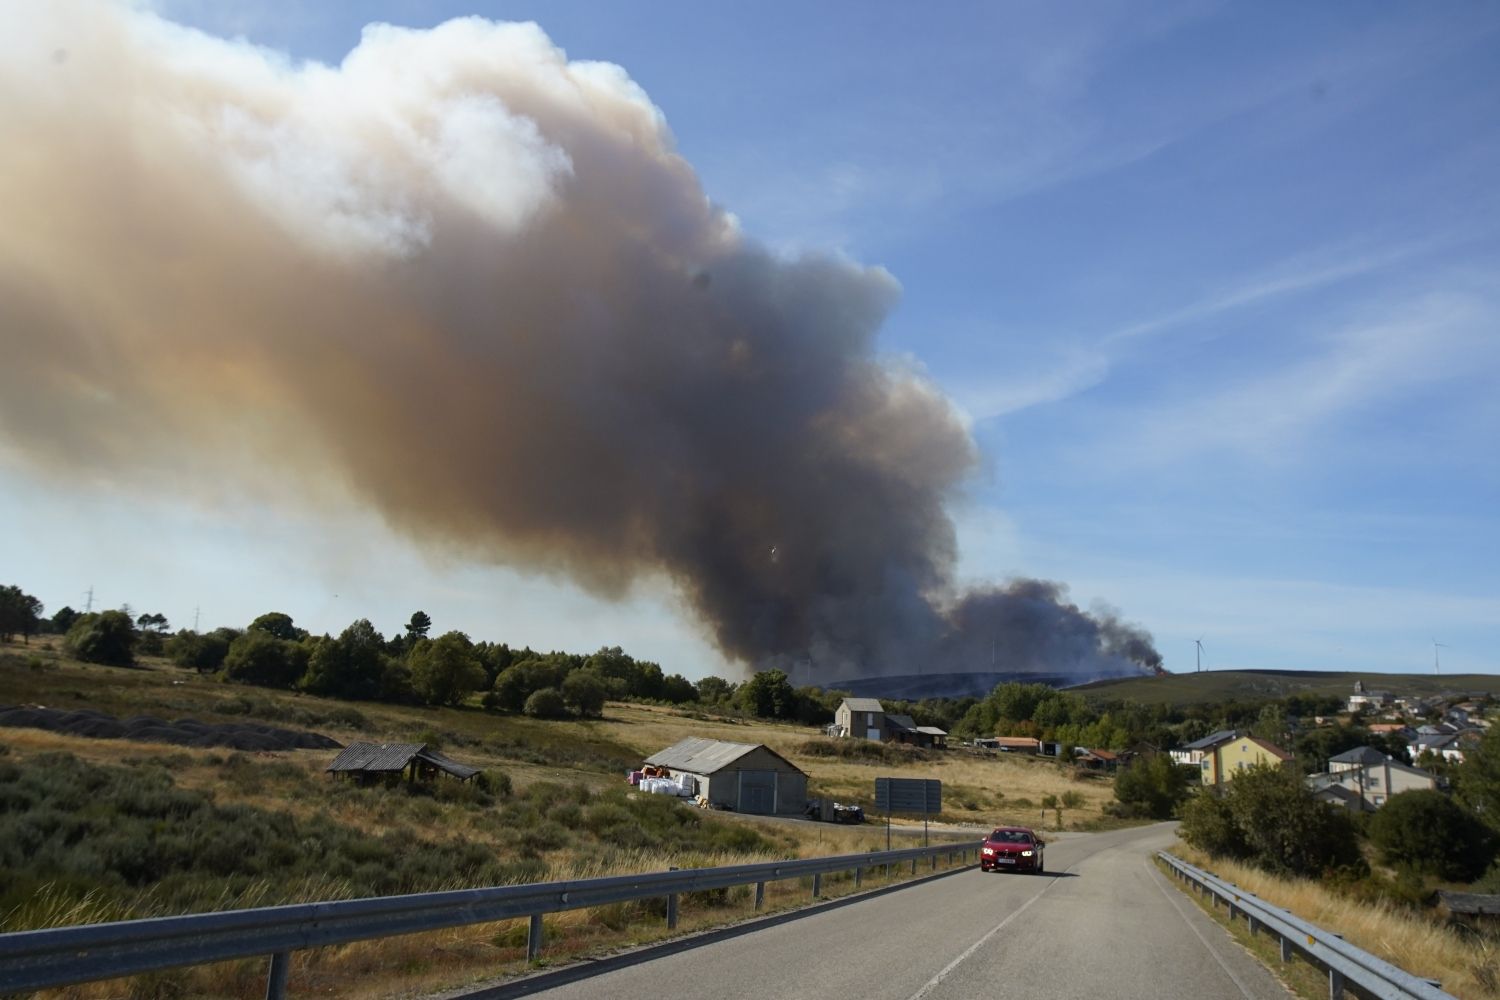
x,y
1157,881
932,983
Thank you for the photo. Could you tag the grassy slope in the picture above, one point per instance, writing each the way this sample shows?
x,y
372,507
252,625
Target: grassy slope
x,y
978,790
1247,685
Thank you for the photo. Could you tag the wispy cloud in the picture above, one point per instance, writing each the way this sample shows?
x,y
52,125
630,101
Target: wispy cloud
x,y
1279,413
1304,272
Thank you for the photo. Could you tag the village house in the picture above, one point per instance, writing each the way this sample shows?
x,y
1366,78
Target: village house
x,y
1193,754
863,718
867,719
1364,779
1226,760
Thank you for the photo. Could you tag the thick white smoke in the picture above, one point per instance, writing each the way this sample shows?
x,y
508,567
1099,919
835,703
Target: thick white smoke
x,y
473,283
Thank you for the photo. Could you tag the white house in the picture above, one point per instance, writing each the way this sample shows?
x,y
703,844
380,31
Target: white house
x,y
1365,779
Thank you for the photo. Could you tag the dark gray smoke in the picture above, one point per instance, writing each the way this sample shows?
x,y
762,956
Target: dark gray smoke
x,y
472,283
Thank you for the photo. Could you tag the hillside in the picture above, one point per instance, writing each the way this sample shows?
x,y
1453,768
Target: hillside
x,y
104,829
1249,685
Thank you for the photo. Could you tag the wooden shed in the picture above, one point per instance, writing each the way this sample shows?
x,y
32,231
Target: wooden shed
x,y
745,777
367,763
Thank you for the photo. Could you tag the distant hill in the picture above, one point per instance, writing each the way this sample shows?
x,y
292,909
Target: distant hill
x,y
915,687
1222,685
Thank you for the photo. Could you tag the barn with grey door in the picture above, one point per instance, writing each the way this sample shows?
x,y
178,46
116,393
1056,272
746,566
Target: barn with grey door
x,y
745,777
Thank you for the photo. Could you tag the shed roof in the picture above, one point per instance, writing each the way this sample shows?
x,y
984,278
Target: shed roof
x,y
704,756
864,704
901,722
932,731
392,757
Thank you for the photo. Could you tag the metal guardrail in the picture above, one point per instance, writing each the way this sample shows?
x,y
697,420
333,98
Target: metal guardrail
x,y
1347,965
63,956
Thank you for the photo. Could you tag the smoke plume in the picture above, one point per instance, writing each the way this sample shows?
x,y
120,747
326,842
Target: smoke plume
x,y
473,283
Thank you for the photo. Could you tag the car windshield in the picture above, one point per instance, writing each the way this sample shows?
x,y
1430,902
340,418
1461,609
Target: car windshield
x,y
1011,837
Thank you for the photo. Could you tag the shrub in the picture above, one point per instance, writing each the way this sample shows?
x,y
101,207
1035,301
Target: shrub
x,y
1153,787
258,657
1268,817
547,703
104,833
1428,832
106,637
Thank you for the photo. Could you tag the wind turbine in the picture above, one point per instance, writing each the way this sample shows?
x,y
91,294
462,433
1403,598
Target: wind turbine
x,y
1198,644
1435,646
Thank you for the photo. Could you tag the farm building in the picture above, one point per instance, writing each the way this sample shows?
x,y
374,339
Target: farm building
x,y
863,718
745,777
904,729
367,763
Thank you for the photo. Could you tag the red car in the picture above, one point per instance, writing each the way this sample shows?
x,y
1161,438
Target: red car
x,y
1012,848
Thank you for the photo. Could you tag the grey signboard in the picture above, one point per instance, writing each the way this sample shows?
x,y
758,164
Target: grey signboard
x,y
908,795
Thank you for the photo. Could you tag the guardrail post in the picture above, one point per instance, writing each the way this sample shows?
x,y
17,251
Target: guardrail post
x,y
1335,985
534,938
760,895
1286,948
859,876
672,905
934,862
817,884
913,866
276,978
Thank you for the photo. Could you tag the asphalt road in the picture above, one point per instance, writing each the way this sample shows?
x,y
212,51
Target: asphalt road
x,y
1103,923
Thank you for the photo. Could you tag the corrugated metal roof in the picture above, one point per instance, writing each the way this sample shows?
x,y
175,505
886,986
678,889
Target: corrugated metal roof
x,y
932,731
704,756
864,704
375,756
448,764
392,757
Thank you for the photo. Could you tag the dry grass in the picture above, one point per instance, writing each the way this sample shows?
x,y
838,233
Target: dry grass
x,y
1467,966
978,792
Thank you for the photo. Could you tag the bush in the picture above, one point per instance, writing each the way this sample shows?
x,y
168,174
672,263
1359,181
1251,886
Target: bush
x,y
1428,832
108,832
1266,816
203,653
1154,787
547,703
106,637
257,657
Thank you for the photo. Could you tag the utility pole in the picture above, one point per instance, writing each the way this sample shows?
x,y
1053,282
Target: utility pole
x,y
196,609
89,606
1435,647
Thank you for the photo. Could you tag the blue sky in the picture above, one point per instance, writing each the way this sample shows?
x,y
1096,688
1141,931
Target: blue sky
x,y
1216,285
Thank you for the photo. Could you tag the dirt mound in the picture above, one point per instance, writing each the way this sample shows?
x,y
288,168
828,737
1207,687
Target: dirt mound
x,y
181,732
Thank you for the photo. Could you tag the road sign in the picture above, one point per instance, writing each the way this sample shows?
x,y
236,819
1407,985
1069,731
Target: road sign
x,y
909,795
